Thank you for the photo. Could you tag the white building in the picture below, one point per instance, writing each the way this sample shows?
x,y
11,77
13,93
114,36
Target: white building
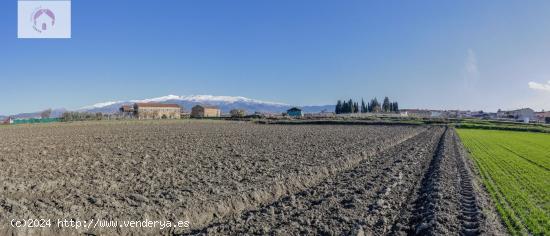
x,y
524,115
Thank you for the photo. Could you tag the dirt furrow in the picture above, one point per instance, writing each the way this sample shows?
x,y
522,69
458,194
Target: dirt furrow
x,y
423,218
470,213
446,203
364,199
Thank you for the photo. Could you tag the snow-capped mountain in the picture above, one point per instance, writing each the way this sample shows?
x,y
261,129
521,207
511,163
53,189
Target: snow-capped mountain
x,y
226,103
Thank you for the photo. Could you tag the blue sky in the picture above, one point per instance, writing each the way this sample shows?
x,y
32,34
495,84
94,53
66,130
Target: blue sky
x,y
425,54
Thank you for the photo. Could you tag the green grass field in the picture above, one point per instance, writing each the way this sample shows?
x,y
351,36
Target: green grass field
x,y
515,168
501,125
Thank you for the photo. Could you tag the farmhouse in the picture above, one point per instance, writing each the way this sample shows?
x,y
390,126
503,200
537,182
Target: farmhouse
x,y
7,121
543,117
127,111
437,114
155,111
524,115
200,111
295,112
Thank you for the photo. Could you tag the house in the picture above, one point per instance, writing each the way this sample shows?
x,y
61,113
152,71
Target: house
x,y
437,114
418,113
155,111
479,115
543,117
7,121
524,115
201,111
463,114
294,112
127,111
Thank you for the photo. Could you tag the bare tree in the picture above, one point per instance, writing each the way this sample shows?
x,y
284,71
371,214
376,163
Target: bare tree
x,y
46,114
237,113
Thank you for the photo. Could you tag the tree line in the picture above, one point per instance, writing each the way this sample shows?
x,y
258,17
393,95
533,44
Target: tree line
x,y
343,107
81,116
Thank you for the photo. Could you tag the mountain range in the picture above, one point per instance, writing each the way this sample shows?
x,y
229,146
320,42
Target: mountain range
x,y
225,103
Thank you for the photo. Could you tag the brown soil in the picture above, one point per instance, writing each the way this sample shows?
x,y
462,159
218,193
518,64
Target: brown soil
x,y
236,177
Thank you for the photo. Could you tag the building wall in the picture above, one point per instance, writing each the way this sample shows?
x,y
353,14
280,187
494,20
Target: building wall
x,y
158,112
211,112
419,114
294,113
524,115
199,111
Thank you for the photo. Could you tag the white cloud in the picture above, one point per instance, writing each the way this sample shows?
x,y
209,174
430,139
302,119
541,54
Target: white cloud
x,y
539,86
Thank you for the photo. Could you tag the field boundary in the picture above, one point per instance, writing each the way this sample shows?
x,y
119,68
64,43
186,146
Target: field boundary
x,y
337,122
503,128
492,220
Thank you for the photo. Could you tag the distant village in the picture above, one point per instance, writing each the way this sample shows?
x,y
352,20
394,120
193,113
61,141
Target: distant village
x,y
389,108
525,115
349,108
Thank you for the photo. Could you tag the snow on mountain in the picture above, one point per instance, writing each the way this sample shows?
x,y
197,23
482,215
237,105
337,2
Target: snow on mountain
x,y
99,105
207,99
226,103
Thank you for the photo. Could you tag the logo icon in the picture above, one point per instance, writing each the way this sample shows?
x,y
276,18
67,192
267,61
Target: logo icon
x,y
43,19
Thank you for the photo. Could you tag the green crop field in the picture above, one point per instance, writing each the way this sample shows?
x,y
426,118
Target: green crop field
x,y
515,168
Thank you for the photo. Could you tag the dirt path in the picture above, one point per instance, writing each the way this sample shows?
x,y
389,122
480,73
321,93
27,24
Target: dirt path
x,y
447,202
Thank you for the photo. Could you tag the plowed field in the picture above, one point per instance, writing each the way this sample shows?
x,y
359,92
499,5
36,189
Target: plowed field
x,y
234,178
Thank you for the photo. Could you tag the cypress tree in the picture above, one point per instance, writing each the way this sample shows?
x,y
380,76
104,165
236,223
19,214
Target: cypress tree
x,y
396,107
338,108
344,107
371,105
386,105
377,108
